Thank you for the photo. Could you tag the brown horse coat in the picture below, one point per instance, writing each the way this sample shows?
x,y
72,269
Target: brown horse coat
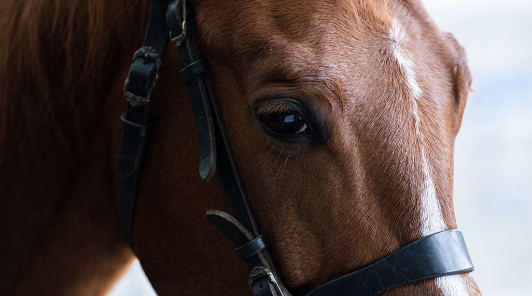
x,y
387,86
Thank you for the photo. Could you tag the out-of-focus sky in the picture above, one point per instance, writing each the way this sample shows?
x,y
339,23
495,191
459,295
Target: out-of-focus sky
x,y
493,152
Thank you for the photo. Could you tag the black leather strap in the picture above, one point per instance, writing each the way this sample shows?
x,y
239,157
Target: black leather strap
x,y
440,254
194,69
250,248
264,279
135,122
134,129
237,233
190,60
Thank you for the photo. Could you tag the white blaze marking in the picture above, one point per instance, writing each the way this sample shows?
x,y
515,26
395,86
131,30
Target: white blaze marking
x,y
398,36
431,216
452,285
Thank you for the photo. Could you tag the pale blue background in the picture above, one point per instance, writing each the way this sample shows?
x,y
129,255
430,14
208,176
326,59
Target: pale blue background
x,y
493,153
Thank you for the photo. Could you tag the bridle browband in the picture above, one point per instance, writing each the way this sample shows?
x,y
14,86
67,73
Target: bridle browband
x,y
439,254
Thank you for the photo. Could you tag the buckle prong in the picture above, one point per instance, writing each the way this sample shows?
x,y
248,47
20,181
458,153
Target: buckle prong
x,y
179,39
259,272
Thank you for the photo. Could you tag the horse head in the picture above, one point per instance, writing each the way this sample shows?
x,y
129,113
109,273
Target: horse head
x,y
342,118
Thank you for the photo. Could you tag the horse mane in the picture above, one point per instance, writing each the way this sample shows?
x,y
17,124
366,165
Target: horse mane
x,y
57,65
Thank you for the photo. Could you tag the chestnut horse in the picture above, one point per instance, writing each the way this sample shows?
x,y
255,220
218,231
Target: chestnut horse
x,y
378,81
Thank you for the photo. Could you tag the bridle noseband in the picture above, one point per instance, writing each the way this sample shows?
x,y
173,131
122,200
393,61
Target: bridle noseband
x,y
440,254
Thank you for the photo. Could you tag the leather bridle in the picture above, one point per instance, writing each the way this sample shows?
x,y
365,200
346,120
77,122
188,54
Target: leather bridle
x,y
440,254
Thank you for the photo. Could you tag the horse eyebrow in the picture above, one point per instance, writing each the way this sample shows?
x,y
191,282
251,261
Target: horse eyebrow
x,y
309,79
337,88
281,71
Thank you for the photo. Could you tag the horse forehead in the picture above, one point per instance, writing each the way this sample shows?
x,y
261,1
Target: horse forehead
x,y
247,29
344,44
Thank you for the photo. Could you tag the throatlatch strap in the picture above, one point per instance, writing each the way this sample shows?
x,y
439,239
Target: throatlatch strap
x,y
440,254
135,122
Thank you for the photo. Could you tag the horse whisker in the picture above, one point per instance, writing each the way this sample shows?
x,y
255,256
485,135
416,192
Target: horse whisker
x,y
280,172
260,160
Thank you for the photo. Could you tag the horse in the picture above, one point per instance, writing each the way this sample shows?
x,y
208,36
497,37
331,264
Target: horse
x,y
341,115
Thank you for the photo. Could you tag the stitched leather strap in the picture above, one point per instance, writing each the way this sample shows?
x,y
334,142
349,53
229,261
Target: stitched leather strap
x,y
194,74
194,69
135,122
250,248
440,254
134,129
264,279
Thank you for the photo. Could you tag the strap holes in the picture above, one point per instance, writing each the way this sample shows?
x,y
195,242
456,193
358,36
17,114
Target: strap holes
x,y
260,285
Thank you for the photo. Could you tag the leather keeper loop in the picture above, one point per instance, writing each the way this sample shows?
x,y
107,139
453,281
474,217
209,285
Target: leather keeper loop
x,y
251,248
133,129
194,69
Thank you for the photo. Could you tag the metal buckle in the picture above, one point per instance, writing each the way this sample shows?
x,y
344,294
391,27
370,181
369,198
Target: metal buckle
x,y
259,272
179,39
149,54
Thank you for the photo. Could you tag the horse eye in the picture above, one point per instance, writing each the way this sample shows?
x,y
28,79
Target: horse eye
x,y
288,122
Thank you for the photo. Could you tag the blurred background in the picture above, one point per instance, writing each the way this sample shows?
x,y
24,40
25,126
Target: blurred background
x,y
493,152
